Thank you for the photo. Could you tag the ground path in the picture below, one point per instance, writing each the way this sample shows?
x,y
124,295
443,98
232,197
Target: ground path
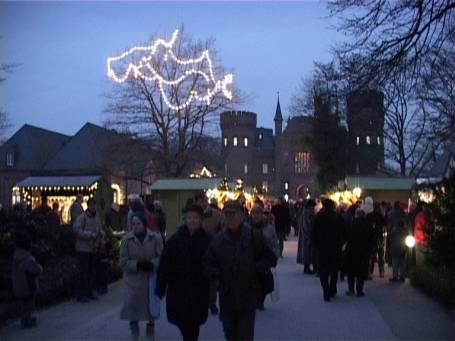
x,y
388,311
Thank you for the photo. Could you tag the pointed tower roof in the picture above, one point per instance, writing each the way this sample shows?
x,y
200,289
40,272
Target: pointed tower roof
x,y
278,116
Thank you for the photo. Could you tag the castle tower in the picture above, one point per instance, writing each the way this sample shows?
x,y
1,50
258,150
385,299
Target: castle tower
x,y
238,133
365,118
278,119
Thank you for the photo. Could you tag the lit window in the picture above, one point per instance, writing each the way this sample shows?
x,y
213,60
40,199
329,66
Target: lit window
x,y
265,168
260,136
234,141
225,141
245,141
302,162
10,159
368,140
379,140
358,140
245,168
286,185
265,185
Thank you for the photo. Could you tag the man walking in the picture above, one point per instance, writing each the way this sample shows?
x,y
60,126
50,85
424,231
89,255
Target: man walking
x,y
237,257
329,234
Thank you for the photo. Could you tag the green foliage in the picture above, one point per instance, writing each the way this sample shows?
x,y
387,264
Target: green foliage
x,y
329,148
437,282
442,239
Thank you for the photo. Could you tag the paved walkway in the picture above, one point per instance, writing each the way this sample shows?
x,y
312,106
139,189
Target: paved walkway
x,y
387,312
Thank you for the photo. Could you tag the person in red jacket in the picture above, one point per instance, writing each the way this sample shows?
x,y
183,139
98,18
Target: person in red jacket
x,y
423,227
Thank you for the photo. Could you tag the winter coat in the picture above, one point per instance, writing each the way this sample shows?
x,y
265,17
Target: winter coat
x,y
359,247
24,273
269,234
182,279
76,210
282,219
237,260
329,234
136,283
160,220
422,228
397,241
87,230
305,246
378,222
213,221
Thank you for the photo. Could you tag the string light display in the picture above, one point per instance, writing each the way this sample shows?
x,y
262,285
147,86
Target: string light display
x,y
137,70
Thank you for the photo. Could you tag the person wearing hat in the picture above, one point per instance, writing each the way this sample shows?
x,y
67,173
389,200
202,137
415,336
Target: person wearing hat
x,y
181,277
238,256
139,257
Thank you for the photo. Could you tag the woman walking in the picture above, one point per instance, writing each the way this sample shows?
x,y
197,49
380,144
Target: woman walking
x,y
181,277
139,258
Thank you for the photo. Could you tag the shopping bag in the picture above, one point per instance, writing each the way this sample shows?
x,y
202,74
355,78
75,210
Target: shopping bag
x,y
275,294
154,301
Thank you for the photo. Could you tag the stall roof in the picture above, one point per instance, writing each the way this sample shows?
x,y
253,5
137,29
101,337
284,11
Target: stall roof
x,y
58,181
380,182
185,184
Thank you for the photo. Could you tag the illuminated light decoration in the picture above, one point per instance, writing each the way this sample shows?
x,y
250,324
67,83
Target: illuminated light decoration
x,y
410,241
357,191
137,71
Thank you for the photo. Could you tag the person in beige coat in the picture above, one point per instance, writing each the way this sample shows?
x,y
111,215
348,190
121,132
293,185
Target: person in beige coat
x,y
139,258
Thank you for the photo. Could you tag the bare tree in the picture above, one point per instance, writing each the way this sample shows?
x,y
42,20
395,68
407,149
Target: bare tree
x,y
4,119
389,36
137,106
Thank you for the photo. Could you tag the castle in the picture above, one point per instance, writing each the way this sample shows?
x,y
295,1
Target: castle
x,y
283,162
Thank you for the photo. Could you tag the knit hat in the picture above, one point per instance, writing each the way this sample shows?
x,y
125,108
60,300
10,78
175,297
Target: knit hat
x,y
194,208
141,217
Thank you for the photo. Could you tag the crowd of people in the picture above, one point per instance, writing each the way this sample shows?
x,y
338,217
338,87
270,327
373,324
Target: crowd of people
x,y
222,261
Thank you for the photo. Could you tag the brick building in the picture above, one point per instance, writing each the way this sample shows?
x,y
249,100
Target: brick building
x,y
283,162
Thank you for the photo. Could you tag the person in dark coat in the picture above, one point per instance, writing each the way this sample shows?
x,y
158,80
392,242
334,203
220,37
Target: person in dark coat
x,y
358,251
328,236
237,257
53,216
305,254
181,276
378,222
282,222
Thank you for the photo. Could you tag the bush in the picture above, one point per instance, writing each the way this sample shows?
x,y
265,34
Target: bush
x,y
437,282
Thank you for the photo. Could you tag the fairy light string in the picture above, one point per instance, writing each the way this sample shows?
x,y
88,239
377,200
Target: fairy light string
x,y
136,70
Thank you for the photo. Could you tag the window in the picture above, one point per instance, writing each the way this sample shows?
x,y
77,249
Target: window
x,y
10,159
260,136
265,168
379,165
225,168
286,186
368,140
225,141
357,168
245,141
302,162
245,168
379,140
265,185
358,140
234,141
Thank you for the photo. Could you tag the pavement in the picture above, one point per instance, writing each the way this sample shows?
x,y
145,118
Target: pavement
x,y
389,311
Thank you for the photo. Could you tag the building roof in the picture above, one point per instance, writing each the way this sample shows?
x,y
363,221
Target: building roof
x,y
97,149
188,184
278,116
32,147
299,125
380,182
58,181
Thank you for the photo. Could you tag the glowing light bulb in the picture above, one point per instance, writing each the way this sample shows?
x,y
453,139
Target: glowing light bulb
x,y
410,241
357,192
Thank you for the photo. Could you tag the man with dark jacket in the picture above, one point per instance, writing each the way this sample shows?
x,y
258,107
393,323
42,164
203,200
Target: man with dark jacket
x,y
238,256
329,234
282,222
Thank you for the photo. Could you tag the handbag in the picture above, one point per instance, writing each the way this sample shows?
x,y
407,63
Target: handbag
x,y
154,300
